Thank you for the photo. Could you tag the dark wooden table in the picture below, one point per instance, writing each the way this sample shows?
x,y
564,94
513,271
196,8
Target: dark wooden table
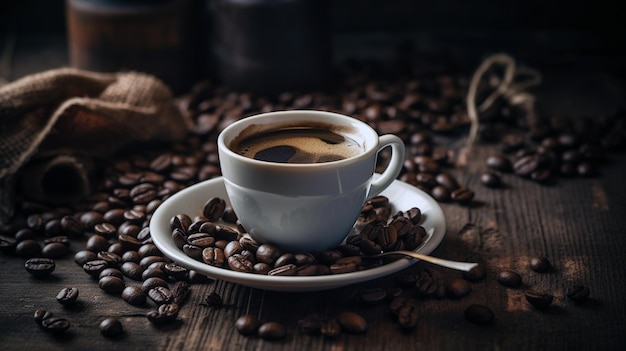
x,y
579,224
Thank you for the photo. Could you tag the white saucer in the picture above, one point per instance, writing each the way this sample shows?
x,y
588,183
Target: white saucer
x,y
402,197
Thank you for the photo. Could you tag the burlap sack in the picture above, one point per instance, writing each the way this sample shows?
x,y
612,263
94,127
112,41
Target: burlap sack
x,y
58,120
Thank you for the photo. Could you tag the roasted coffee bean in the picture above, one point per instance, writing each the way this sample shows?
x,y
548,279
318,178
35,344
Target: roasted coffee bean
x,y
95,267
114,272
143,193
53,227
214,208
538,300
152,283
272,331
40,267
491,180
229,215
153,272
181,292
132,270
114,217
387,238
55,325
106,230
116,248
134,295
372,296
238,263
134,216
54,250
180,237
131,256
67,296
72,227
226,233
61,239
578,293
161,295
176,271
25,234
368,247
458,288
462,195
97,243
111,258
90,219
111,328
352,323
539,264
499,162
447,180
193,251
267,253
111,284
509,278
27,248
479,314
149,250
306,270
475,274
168,311
201,240
405,311
248,243
84,256
145,262
213,256
289,269
440,193
526,165
285,259
247,324
40,315
180,221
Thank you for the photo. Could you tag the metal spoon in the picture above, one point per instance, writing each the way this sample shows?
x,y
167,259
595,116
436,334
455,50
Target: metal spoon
x,y
461,266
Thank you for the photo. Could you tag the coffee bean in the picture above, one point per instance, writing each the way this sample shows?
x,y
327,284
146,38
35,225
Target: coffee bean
x,y
41,314
95,267
67,296
111,284
267,253
538,300
111,258
247,324
181,292
111,328
113,272
479,314
458,288
27,248
90,219
440,193
286,270
272,331
97,243
330,328
526,165
578,293
373,296
539,264
176,271
40,267
55,325
134,295
352,323
406,312
132,270
214,208
143,193
499,162
462,195
84,256
106,230
491,180
152,283
509,278
161,295
475,274
72,227
168,311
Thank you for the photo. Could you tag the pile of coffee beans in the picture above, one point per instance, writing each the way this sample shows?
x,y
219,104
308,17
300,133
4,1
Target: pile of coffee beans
x,y
221,245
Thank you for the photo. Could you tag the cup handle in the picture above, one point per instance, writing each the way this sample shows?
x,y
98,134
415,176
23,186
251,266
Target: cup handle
x,y
395,165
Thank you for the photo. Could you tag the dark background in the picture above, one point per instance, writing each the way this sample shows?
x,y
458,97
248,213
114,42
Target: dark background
x,y
554,36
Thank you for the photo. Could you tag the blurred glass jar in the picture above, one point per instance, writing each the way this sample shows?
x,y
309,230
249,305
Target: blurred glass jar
x,y
159,37
271,46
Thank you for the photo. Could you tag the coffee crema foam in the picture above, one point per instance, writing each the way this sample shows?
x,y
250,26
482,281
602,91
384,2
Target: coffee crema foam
x,y
297,145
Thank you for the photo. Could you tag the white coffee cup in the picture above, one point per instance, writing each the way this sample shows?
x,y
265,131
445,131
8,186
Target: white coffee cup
x,y
310,206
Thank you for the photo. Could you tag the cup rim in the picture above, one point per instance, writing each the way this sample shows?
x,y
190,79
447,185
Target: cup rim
x,y
246,121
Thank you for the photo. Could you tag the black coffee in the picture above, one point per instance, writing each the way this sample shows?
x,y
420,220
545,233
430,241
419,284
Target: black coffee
x,y
297,145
